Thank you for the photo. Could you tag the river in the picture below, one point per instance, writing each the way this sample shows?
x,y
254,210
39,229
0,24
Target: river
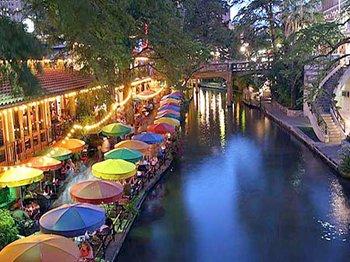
x,y
243,190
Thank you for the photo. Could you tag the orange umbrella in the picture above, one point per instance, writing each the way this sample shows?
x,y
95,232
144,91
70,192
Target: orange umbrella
x,y
43,163
96,192
74,145
134,144
37,248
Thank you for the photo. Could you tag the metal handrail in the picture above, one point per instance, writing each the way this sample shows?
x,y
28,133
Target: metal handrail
x,y
336,114
320,121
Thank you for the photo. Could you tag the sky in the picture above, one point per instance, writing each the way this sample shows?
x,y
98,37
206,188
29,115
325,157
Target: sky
x,y
235,9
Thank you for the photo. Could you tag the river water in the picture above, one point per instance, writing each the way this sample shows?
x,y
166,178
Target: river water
x,y
243,190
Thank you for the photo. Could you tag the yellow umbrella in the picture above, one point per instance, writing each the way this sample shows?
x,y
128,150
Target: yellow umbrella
x,y
168,120
74,145
134,145
114,169
37,248
20,176
43,163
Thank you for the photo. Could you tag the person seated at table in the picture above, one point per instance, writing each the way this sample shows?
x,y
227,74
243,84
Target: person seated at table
x,y
63,172
86,251
33,210
70,165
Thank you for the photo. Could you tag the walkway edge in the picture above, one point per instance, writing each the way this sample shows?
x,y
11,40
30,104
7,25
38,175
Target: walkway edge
x,y
142,199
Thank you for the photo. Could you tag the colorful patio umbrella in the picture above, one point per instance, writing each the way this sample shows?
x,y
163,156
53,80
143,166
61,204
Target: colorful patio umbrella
x,y
149,138
126,154
72,220
114,169
134,144
96,192
168,115
58,153
43,163
177,93
168,111
20,176
167,120
170,107
116,130
74,145
41,248
173,96
170,101
162,128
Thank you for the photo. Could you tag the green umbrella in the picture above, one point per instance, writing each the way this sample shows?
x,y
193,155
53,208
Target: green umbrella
x,y
125,154
116,129
58,153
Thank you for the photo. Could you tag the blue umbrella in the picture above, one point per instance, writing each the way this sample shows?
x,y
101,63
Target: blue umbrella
x,y
173,96
72,220
149,138
169,107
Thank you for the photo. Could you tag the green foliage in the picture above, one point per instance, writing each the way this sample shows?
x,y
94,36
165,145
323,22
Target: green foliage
x,y
291,32
344,166
101,35
16,47
86,105
8,229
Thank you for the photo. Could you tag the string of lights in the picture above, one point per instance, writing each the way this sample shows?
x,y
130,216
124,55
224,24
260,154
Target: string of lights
x,y
113,108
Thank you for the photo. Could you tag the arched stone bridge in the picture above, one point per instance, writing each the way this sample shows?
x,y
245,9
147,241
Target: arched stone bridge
x,y
227,71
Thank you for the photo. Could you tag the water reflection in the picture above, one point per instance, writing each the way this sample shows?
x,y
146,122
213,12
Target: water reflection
x,y
244,190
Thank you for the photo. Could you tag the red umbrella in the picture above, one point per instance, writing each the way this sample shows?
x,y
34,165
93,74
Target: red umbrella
x,y
162,128
96,192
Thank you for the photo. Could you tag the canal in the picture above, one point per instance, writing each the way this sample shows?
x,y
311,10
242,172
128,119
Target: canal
x,y
244,190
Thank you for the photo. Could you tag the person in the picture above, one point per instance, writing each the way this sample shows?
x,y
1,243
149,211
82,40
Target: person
x,y
86,250
70,165
106,146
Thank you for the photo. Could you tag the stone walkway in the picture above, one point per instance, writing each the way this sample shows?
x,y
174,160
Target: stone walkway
x,y
328,152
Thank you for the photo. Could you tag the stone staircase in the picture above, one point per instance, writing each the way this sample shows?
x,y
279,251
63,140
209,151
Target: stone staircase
x,y
324,99
324,102
335,134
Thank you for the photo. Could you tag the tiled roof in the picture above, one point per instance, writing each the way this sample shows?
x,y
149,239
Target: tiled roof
x,y
52,82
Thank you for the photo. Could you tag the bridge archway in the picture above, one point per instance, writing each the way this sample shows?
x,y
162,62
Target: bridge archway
x,y
217,70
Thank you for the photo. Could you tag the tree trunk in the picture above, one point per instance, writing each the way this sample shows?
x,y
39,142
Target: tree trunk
x,y
128,107
269,11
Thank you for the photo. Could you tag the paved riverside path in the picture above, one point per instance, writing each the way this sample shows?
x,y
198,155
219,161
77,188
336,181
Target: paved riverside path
x,y
328,152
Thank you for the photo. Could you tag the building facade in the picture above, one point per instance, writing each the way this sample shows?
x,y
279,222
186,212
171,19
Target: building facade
x,y
28,126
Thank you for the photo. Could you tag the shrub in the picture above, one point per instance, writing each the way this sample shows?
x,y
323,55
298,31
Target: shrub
x,y
8,229
344,166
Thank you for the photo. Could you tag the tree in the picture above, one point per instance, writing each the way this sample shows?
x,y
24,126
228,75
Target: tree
x,y
102,37
16,47
291,33
8,229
